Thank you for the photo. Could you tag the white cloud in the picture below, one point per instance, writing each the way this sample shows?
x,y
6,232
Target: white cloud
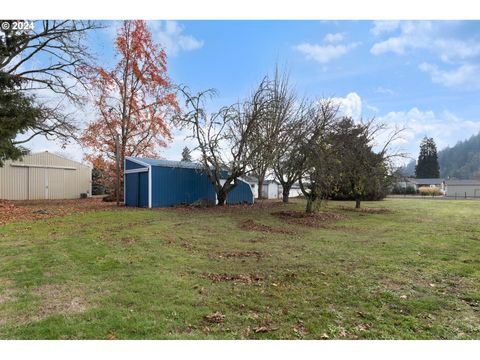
x,y
383,26
466,76
437,38
425,35
454,49
325,53
350,105
446,129
170,34
334,38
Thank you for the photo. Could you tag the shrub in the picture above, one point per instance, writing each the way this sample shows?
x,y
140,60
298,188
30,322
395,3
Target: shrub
x,y
410,190
429,191
398,190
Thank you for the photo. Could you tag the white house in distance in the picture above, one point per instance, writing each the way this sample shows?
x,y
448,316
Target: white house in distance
x,y
462,188
44,176
418,183
438,183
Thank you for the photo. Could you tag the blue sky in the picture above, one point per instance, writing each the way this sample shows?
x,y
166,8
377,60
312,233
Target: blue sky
x,y
424,75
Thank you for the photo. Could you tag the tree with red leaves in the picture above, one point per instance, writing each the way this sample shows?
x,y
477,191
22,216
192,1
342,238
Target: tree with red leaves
x,y
134,100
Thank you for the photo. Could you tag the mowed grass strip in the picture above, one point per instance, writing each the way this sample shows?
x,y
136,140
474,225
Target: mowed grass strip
x,y
404,269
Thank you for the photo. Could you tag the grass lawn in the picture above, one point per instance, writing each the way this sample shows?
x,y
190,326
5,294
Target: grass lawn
x,y
409,273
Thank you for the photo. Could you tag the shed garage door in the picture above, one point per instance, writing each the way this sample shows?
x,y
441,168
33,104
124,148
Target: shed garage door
x,y
45,183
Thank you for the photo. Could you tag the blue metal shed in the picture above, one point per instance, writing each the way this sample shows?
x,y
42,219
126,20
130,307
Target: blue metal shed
x,y
162,183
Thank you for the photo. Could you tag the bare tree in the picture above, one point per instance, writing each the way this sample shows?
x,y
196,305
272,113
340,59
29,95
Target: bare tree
x,y
48,57
224,138
316,161
273,125
289,160
186,154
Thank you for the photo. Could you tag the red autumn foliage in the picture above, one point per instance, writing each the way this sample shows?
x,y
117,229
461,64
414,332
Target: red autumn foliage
x,y
134,100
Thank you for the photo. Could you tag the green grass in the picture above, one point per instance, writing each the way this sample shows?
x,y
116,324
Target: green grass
x,y
147,274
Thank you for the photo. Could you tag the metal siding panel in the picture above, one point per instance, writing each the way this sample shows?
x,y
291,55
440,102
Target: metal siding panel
x,y
56,183
131,189
83,182
13,182
71,184
175,186
143,189
241,193
36,183
129,165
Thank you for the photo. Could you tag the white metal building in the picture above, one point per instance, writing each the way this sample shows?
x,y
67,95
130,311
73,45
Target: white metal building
x,y
462,188
271,189
295,190
43,176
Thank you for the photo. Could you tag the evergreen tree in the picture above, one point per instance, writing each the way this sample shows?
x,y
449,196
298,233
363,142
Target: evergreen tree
x,y
427,164
186,156
18,114
98,182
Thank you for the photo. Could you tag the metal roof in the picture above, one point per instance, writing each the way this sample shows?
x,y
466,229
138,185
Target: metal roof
x,y
463,182
167,163
427,181
249,178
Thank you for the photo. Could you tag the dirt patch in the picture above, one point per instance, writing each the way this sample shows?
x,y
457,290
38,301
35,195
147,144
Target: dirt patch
x,y
302,218
252,225
43,209
7,292
60,299
240,254
259,204
6,295
368,210
215,318
127,241
241,278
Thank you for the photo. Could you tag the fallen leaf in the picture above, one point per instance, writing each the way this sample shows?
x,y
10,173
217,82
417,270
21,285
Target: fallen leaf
x,y
261,329
325,336
403,296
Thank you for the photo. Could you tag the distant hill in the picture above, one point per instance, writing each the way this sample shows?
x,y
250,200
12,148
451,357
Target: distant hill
x,y
409,169
461,161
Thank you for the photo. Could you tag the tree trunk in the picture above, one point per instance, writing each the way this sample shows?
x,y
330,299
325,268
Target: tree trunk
x,y
311,205
260,187
286,193
357,204
222,198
